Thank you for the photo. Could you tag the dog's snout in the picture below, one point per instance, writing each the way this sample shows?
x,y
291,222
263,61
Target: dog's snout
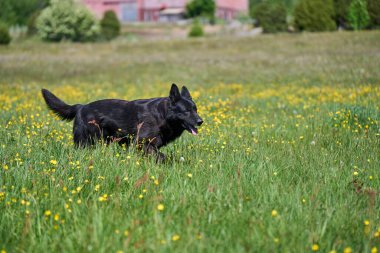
x,y
199,121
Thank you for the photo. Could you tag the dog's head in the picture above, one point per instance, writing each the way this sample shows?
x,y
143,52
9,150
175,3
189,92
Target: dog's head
x,y
183,109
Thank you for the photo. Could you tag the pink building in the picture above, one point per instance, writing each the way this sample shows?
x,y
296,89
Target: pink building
x,y
160,10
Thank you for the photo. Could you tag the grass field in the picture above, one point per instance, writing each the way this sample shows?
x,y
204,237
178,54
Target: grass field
x,y
288,158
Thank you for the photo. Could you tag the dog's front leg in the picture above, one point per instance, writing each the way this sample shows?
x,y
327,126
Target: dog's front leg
x,y
150,149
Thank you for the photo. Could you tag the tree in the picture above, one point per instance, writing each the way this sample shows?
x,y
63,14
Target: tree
x,y
17,12
64,20
289,4
358,14
341,12
110,25
204,8
5,38
373,7
314,15
271,17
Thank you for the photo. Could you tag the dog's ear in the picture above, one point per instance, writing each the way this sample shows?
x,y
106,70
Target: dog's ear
x,y
174,93
185,92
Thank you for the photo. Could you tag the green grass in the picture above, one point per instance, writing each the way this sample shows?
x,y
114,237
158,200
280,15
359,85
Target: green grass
x,y
288,155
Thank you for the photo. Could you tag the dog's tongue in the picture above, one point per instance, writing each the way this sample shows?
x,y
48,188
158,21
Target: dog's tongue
x,y
194,132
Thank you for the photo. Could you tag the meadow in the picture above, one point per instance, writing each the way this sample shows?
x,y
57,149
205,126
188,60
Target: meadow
x,y
288,158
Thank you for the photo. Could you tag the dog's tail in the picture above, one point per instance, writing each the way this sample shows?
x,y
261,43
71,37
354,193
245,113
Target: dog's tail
x,y
60,108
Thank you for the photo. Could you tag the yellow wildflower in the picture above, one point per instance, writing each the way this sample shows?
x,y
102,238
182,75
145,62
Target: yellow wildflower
x,y
160,207
315,247
347,250
176,238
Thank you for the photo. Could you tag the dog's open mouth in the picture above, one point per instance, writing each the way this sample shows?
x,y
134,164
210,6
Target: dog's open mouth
x,y
192,129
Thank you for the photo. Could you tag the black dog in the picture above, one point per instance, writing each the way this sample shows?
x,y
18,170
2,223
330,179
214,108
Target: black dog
x,y
152,123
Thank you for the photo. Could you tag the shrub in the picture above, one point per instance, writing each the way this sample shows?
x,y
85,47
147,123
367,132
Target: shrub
x,y
5,37
271,17
205,8
110,25
314,15
18,12
358,14
64,20
373,7
196,29
341,12
32,29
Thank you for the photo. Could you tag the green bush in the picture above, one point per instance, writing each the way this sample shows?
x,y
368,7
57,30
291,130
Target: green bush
x,y
314,15
18,12
358,14
271,17
373,7
196,29
341,12
64,20
204,8
5,37
32,29
110,25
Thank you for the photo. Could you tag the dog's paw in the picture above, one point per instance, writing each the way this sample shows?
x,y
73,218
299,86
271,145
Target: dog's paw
x,y
160,157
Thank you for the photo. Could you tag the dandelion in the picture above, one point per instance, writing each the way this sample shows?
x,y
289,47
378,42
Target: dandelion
x,y
47,213
126,233
176,238
141,196
347,250
366,222
374,250
274,213
189,175
356,173
5,167
103,198
315,247
56,217
54,162
160,207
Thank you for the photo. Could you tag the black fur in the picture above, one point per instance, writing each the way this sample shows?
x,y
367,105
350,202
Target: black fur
x,y
153,123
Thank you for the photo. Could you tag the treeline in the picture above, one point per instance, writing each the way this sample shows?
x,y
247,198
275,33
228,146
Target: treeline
x,y
56,20
315,15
